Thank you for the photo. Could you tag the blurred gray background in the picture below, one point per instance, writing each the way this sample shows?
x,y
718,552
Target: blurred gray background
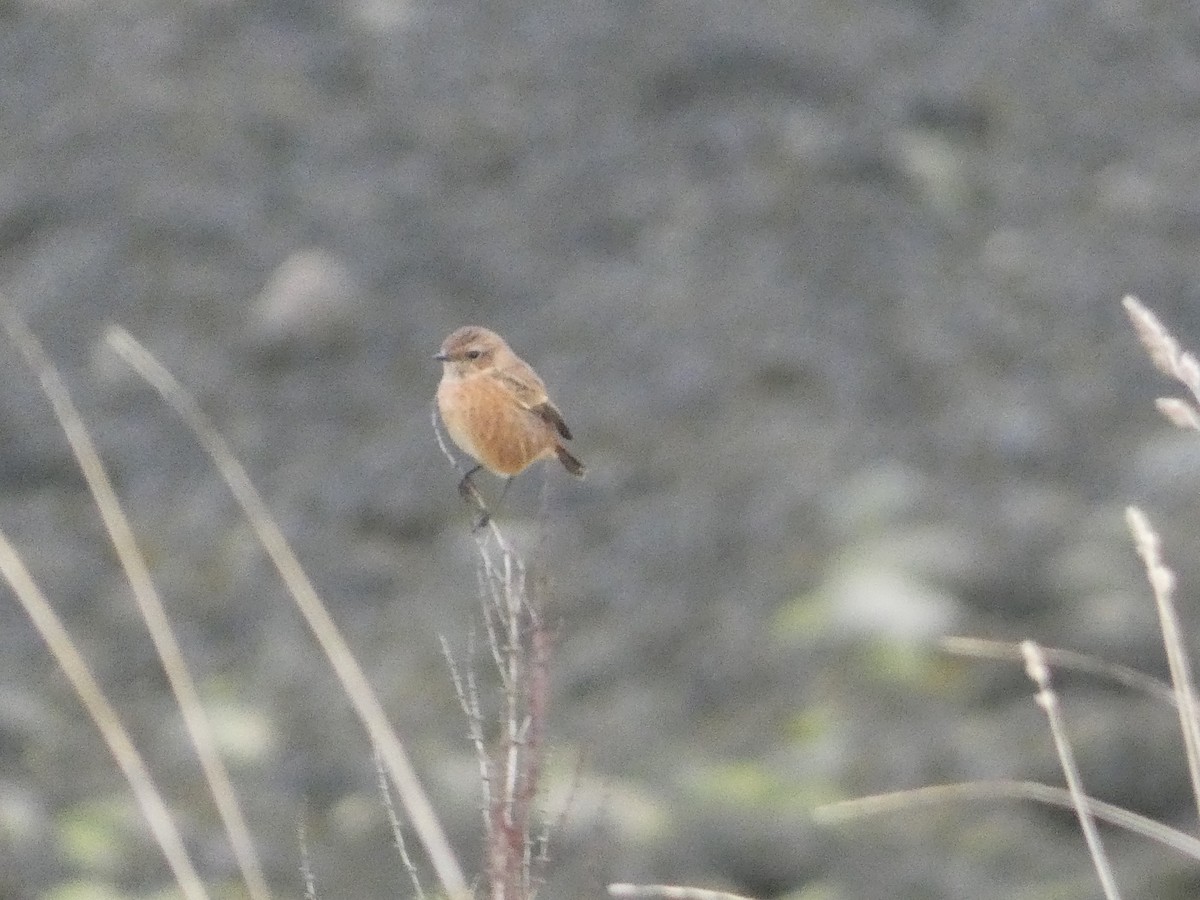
x,y
829,293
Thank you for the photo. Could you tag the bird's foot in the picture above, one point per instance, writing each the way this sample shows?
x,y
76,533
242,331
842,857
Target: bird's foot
x,y
471,494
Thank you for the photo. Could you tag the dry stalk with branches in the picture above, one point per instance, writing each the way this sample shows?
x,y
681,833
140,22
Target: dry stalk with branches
x,y
509,735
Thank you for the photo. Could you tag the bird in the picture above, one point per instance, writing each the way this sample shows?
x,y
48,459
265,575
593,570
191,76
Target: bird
x,y
496,409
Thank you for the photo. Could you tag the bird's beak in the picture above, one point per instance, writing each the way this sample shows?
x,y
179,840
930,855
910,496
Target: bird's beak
x,y
441,356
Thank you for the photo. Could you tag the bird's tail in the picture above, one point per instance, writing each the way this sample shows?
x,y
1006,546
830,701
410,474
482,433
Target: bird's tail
x,y
570,463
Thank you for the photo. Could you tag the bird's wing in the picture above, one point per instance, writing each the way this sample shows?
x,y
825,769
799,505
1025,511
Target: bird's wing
x,y
530,392
550,413
526,387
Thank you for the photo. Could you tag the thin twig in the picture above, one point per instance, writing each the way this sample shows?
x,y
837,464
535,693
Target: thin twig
x,y
1170,359
554,823
1039,673
397,832
488,604
1010,651
1165,352
1162,584
306,871
906,801
670,892
468,699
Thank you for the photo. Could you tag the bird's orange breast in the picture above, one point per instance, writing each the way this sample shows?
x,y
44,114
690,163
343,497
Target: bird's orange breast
x,y
485,420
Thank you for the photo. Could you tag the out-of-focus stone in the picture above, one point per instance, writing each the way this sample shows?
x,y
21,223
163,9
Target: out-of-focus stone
x,y
309,302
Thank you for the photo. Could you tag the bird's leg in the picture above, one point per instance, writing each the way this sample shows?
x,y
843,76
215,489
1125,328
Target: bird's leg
x,y
467,488
471,494
486,513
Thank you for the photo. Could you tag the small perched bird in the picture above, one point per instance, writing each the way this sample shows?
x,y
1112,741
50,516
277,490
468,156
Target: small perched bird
x,y
496,410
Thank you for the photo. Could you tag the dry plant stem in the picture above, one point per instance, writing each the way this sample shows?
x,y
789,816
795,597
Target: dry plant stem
x,y
468,699
349,673
1165,352
1162,583
535,746
669,891
540,589
552,824
306,872
980,648
1179,413
120,533
397,832
520,648
149,800
1039,673
1172,360
903,801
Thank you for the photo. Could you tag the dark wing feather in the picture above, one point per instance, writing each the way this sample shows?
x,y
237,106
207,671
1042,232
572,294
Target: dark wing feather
x,y
550,413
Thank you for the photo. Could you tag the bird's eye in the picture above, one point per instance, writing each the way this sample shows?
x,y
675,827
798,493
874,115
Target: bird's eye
x,y
474,354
